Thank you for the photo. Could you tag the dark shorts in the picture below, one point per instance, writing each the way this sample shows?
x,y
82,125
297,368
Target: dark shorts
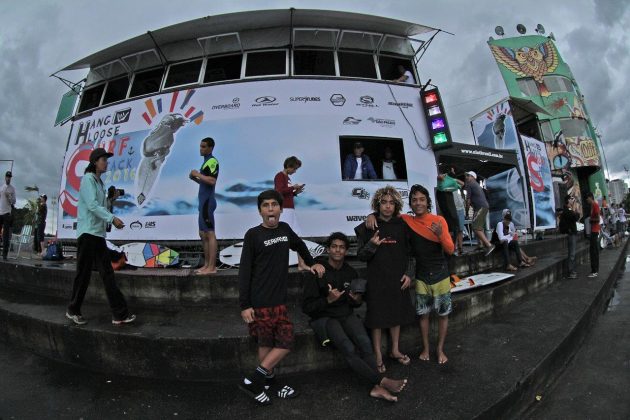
x,y
272,327
206,214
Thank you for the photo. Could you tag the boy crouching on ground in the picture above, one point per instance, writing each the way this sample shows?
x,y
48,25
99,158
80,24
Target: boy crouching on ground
x,y
263,274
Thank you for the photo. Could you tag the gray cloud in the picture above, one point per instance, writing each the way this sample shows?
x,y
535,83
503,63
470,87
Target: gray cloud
x,y
38,37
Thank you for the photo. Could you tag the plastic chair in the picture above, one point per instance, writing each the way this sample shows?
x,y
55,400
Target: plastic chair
x,y
21,239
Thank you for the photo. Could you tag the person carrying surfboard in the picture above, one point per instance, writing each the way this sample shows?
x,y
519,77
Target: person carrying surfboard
x,y
263,277
92,221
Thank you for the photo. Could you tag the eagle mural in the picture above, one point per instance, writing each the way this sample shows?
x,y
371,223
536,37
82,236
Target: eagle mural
x,y
532,62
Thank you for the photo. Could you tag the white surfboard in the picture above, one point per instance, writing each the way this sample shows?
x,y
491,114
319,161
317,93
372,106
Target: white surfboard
x,y
144,254
232,254
478,280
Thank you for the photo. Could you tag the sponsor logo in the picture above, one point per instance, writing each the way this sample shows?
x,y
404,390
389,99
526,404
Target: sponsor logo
x,y
67,225
401,104
360,193
383,122
403,193
265,101
149,225
366,101
122,116
351,121
276,240
236,103
337,99
356,218
135,225
305,99
316,251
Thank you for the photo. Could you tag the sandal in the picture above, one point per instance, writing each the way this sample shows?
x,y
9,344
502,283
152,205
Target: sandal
x,y
381,368
403,359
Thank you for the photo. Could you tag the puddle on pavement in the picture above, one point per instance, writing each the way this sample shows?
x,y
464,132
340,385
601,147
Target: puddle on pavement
x,y
615,299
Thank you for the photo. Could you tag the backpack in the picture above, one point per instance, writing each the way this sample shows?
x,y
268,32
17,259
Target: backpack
x,y
54,252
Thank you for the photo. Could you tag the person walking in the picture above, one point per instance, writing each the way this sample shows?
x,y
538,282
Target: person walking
x,y
92,220
568,226
594,236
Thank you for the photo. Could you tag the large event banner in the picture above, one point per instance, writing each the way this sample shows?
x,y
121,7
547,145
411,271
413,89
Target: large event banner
x,y
256,126
495,128
540,182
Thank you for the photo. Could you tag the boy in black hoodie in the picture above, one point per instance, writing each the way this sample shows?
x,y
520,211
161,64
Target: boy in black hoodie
x,y
330,302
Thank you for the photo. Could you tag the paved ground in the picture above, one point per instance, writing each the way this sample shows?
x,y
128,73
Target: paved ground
x,y
596,385
490,356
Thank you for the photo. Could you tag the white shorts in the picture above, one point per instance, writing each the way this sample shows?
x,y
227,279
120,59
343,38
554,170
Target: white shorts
x,y
288,216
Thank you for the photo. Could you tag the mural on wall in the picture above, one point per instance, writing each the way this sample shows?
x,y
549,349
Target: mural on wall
x,y
494,128
540,182
529,61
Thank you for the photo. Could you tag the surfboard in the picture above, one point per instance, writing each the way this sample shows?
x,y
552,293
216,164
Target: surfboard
x,y
477,280
232,254
143,254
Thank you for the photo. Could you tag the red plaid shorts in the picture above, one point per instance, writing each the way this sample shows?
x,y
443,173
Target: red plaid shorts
x,y
272,328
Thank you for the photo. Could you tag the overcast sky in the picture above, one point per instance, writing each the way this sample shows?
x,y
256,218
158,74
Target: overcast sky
x,y
38,37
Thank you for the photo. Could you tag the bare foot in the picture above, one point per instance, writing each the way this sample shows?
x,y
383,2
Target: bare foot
x,y
380,367
511,268
205,271
393,385
442,359
382,393
424,356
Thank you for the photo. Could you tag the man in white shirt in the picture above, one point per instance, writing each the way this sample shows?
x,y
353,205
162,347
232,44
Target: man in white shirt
x,y
506,231
388,169
405,76
7,201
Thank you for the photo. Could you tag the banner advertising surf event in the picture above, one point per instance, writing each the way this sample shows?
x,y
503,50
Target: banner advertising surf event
x,y
256,126
540,182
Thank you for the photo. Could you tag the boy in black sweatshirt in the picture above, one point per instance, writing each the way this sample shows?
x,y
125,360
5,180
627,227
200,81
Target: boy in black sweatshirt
x,y
329,301
263,274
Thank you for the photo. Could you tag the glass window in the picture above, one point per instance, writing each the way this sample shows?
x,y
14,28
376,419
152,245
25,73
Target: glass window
x,y
91,98
387,156
320,38
116,90
314,63
146,82
227,67
558,84
546,130
183,73
397,45
359,40
528,87
574,127
356,65
266,63
142,60
389,67
220,44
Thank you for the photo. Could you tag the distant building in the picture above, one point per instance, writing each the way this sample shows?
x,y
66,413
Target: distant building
x,y
534,71
617,191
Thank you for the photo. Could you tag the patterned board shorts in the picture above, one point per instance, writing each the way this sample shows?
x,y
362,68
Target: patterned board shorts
x,y
436,297
272,327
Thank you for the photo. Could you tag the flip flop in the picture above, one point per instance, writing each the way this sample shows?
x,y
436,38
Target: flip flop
x,y
403,360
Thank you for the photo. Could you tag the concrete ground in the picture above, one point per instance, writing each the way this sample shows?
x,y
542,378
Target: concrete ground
x,y
597,382
487,361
